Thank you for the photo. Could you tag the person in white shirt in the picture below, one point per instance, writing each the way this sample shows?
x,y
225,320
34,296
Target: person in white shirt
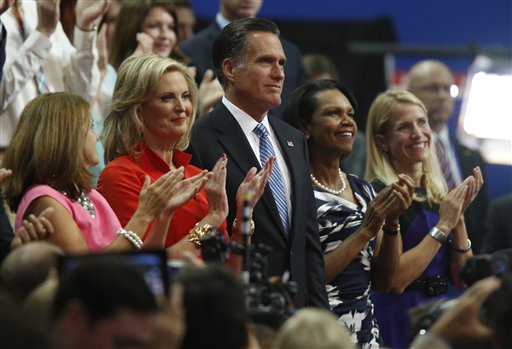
x,y
37,45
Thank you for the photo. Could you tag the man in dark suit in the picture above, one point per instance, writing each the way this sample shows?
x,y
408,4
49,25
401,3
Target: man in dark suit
x,y
498,230
248,58
430,81
198,48
6,233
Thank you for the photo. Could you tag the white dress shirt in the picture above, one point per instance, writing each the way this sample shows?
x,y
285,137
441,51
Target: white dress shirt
x,y
66,67
247,123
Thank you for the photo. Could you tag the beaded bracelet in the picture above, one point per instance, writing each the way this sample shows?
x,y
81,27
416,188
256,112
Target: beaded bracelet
x,y
134,239
460,250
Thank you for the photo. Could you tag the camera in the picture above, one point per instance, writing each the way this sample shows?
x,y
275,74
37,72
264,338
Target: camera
x,y
484,265
476,268
269,300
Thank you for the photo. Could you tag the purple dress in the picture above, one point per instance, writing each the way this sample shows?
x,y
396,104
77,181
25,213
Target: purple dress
x,y
391,309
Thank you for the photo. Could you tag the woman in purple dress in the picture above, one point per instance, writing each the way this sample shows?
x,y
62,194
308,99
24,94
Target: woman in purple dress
x,y
434,243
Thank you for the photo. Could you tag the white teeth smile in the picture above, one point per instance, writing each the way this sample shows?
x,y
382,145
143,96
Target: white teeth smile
x,y
420,145
344,134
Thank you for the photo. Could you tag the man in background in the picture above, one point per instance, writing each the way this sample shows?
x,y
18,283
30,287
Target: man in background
x,y
198,49
430,81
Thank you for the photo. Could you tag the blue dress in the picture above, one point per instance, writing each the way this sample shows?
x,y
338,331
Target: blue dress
x,y
391,309
349,291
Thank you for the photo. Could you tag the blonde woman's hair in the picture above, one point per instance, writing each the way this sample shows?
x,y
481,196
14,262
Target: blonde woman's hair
x,y
137,82
378,163
48,147
313,328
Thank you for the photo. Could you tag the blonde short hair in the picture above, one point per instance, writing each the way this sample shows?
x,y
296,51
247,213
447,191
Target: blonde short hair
x,y
137,82
48,147
378,163
313,328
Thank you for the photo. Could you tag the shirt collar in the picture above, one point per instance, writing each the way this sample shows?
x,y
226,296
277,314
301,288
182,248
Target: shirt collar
x,y
221,20
179,158
444,136
246,122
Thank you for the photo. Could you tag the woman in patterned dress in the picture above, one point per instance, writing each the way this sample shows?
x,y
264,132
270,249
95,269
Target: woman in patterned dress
x,y
358,254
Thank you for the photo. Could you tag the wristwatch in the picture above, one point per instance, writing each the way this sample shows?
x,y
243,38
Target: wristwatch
x,y
199,233
251,227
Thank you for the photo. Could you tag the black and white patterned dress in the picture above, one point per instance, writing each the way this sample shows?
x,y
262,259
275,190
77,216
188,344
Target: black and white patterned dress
x,y
349,291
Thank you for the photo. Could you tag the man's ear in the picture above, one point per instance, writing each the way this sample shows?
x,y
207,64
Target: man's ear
x,y
228,68
382,143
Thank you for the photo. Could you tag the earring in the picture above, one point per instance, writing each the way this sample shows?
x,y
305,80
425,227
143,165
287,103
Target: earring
x,y
308,136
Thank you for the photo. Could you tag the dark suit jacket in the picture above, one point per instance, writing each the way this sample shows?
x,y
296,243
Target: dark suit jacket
x,y
476,212
199,47
6,233
498,230
3,41
218,132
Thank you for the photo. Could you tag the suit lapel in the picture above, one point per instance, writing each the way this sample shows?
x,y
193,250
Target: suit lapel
x,y
292,157
239,151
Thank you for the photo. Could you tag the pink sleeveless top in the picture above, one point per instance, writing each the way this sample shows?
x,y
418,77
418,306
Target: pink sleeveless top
x,y
98,232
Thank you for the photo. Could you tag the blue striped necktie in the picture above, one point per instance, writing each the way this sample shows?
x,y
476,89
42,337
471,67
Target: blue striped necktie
x,y
275,180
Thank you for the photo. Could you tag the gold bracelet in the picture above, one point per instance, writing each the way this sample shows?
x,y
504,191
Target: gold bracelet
x,y
199,233
251,227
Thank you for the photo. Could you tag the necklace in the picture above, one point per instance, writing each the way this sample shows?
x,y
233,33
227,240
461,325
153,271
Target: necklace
x,y
83,199
86,203
329,190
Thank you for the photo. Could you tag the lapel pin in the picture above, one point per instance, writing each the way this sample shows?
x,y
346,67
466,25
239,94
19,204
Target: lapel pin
x,y
290,143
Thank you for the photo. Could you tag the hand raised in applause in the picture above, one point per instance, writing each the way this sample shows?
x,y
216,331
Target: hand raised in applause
x,y
185,190
154,198
389,204
402,193
48,16
145,43
89,13
4,173
474,184
253,186
210,92
452,205
216,194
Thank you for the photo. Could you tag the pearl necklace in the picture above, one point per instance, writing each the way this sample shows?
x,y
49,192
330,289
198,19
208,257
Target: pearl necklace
x,y
329,190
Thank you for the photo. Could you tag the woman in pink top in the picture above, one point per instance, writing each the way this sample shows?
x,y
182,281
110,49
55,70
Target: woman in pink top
x,y
50,154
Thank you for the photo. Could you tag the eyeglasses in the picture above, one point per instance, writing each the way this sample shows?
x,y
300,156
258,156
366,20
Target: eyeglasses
x,y
434,89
